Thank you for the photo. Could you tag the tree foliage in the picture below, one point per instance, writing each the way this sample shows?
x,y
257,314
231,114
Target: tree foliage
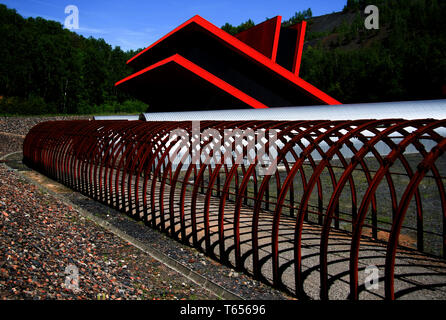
x,y
229,28
45,68
404,60
298,17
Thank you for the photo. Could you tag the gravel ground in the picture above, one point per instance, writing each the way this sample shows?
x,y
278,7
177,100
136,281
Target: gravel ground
x,y
21,125
41,237
10,143
236,282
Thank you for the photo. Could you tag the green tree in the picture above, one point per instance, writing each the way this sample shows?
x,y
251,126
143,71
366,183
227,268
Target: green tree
x,y
233,30
298,17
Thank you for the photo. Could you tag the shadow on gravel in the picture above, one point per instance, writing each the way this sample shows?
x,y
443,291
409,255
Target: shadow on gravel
x,y
224,276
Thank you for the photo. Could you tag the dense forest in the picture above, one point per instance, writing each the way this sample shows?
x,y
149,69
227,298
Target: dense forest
x,y
296,18
46,69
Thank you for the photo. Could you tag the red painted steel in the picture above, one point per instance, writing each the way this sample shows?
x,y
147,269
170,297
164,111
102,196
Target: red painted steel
x,y
330,174
263,37
196,70
301,28
254,47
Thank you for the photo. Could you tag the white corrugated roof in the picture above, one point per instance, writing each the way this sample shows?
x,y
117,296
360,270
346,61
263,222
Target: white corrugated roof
x,y
435,109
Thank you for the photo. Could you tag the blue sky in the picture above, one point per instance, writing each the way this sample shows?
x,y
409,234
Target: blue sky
x,y
133,24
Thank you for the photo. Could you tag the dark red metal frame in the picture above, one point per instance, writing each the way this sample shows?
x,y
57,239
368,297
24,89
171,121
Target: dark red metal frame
x,y
202,73
263,37
249,68
126,164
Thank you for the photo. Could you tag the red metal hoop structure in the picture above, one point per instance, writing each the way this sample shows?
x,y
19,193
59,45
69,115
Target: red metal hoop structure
x,y
353,180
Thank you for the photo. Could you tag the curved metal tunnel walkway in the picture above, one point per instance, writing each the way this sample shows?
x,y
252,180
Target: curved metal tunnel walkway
x,y
337,198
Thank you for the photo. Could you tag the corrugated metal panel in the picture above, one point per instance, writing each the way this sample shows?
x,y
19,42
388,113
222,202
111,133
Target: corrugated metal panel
x,y
435,109
117,117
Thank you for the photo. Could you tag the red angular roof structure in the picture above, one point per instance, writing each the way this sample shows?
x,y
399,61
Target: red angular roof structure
x,y
199,66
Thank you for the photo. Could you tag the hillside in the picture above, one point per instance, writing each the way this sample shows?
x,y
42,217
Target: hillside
x,y
404,60
46,69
